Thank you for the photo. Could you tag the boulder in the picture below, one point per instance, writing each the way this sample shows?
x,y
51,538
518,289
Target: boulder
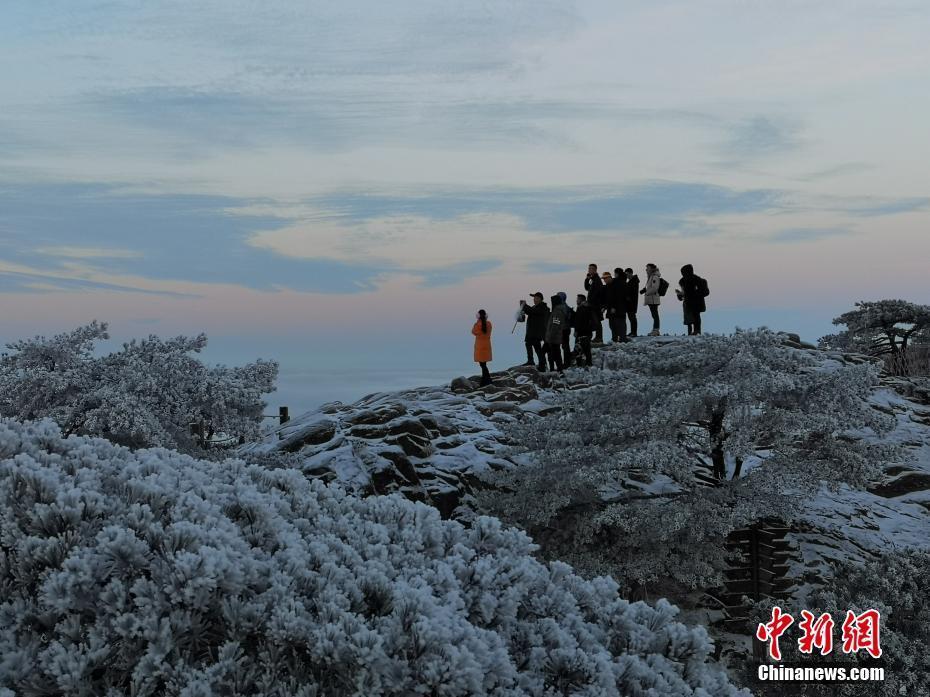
x,y
462,384
377,415
409,426
368,431
904,483
412,445
404,471
315,433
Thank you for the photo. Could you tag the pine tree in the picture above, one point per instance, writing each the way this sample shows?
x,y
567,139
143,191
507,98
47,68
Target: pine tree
x,y
609,482
147,394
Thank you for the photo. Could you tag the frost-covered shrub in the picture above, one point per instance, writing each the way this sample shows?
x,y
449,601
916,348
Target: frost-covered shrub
x,y
888,328
769,421
145,395
149,573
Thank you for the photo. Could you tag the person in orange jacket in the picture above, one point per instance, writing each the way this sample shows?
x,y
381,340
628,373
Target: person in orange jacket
x,y
482,332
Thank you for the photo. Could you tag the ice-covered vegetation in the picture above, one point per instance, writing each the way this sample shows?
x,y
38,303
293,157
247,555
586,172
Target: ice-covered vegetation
x,y
766,422
897,330
149,572
144,395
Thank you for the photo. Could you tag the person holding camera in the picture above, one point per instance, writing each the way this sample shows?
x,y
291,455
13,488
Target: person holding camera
x,y
537,319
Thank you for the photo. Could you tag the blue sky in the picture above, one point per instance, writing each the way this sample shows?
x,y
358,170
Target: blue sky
x,y
346,183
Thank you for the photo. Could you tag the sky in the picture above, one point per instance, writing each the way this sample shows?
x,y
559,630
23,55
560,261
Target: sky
x,y
340,186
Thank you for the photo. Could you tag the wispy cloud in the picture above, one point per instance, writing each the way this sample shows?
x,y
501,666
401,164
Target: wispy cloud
x,y
206,118
39,282
673,206
547,267
456,273
871,207
174,237
758,137
89,253
837,171
792,235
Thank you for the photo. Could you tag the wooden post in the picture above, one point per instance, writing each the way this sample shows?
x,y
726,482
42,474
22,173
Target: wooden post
x,y
283,415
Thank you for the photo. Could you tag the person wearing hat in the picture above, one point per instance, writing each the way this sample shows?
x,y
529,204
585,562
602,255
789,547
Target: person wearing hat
x,y
692,289
537,318
482,333
558,321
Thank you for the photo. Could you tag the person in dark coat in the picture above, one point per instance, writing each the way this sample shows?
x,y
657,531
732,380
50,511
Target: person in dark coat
x,y
558,320
619,304
614,306
692,289
567,331
632,299
537,317
584,320
595,288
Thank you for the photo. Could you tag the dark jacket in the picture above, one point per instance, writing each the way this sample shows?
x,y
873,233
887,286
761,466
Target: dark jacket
x,y
595,287
584,320
632,293
558,321
615,296
537,317
570,314
692,287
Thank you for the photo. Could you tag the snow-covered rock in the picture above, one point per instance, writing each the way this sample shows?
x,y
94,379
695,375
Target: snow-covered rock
x,y
429,444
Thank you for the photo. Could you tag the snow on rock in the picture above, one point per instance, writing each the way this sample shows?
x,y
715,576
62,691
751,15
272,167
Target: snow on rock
x,y
428,444
893,513
152,573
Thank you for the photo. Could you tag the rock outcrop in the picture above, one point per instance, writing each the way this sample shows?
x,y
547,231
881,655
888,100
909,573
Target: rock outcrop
x,y
428,444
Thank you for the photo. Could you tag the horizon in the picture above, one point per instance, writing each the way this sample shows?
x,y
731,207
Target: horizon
x,y
341,188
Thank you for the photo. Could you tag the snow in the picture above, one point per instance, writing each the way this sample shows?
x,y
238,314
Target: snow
x,y
150,572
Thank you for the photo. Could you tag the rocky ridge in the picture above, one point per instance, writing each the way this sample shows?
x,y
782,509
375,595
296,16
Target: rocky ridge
x,y
431,444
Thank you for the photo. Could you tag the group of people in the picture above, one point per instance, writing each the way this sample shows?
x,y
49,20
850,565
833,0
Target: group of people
x,y
614,297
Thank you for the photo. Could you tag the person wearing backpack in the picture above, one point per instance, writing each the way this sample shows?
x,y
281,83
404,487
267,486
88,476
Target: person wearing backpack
x,y
558,321
692,291
482,333
655,288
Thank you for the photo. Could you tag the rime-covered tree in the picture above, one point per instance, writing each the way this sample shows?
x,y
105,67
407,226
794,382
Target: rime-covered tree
x,y
882,328
153,573
146,394
609,481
